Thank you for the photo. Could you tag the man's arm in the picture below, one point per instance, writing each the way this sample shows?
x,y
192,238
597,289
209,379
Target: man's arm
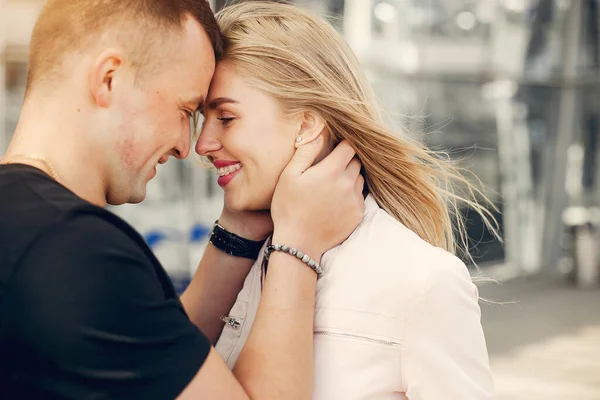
x,y
89,316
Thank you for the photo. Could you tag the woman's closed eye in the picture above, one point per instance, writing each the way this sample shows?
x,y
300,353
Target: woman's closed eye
x,y
225,120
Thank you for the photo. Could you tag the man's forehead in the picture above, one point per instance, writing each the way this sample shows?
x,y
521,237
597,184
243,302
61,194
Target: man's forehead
x,y
196,47
191,57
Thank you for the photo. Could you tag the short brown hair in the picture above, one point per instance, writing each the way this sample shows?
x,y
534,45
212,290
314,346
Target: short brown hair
x,y
69,26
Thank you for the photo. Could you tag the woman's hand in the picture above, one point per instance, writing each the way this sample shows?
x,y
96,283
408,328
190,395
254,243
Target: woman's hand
x,y
315,208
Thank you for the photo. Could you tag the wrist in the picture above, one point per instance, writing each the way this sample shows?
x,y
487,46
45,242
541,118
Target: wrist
x,y
233,244
305,243
245,230
299,254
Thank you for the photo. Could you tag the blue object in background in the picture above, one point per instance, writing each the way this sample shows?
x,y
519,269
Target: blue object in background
x,y
179,274
153,238
199,232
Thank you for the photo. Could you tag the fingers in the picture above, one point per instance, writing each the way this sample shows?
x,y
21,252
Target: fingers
x,y
359,185
331,190
305,156
340,157
353,168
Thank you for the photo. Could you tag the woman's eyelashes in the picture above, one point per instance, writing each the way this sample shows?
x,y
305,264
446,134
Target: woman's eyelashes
x,y
225,120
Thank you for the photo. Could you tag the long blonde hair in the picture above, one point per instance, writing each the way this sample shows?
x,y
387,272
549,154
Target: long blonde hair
x,y
300,60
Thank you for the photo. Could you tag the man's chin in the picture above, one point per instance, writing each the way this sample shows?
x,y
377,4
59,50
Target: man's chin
x,y
129,198
120,203
137,198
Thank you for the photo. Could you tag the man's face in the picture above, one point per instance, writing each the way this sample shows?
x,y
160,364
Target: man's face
x,y
151,118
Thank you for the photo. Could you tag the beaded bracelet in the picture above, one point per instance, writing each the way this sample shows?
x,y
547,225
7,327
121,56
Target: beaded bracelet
x,y
305,258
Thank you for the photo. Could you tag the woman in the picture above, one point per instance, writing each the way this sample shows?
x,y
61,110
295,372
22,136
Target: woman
x,y
397,315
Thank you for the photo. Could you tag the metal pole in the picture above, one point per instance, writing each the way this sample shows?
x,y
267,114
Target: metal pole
x,y
556,158
357,26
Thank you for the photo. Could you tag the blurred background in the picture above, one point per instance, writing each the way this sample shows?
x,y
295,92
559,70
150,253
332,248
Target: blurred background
x,y
510,88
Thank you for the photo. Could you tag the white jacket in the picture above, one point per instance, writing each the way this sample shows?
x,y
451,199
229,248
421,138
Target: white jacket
x,y
395,318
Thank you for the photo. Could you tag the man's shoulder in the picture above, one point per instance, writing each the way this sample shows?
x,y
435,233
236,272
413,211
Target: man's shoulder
x,y
85,252
88,222
31,201
35,208
101,236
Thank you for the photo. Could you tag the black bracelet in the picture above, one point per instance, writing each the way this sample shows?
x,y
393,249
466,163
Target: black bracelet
x,y
233,244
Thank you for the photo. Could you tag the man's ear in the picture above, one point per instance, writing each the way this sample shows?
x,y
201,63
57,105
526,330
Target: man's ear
x,y
312,126
102,76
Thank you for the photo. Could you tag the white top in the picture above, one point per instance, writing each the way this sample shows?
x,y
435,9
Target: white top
x,y
395,318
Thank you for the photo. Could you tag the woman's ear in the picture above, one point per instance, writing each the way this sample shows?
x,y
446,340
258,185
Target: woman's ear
x,y
312,126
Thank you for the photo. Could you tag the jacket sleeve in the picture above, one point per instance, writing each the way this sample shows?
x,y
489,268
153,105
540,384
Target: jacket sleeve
x,y
444,354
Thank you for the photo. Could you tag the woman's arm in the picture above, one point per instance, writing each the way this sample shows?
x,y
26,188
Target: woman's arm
x,y
277,361
445,354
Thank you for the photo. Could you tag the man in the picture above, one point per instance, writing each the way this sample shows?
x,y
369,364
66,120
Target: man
x,y
86,311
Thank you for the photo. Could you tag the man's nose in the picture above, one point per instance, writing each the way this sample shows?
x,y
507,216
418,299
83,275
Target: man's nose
x,y
182,150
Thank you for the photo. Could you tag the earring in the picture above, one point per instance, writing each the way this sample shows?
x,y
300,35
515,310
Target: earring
x,y
298,139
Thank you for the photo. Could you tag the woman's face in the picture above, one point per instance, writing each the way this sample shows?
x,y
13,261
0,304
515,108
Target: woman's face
x,y
247,138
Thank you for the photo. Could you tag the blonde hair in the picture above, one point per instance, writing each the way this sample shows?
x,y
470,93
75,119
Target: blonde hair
x,y
300,60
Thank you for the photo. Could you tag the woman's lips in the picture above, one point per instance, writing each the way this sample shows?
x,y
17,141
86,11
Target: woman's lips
x,y
228,174
226,170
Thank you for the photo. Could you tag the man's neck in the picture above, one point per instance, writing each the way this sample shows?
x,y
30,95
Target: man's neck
x,y
55,136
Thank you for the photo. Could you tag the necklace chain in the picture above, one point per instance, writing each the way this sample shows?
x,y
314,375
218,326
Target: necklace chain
x,y
34,157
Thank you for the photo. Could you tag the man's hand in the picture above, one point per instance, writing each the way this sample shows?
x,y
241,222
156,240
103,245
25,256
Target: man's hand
x,y
316,208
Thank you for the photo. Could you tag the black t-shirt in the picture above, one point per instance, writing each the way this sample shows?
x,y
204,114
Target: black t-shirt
x,y
86,310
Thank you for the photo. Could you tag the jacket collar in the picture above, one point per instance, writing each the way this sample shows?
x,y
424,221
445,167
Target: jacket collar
x,y
371,205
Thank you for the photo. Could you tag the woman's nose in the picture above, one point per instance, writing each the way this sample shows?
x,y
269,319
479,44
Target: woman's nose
x,y
207,142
